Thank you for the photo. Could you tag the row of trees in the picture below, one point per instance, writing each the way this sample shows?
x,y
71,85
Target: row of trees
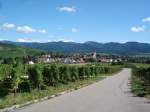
x,y
141,80
138,59
24,78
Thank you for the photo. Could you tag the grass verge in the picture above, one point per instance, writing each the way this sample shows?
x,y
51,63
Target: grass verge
x,y
137,87
139,82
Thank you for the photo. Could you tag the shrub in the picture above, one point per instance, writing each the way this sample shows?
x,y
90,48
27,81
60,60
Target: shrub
x,y
24,86
82,72
141,80
35,76
74,73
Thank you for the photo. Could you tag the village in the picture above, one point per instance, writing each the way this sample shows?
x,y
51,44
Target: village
x,y
77,59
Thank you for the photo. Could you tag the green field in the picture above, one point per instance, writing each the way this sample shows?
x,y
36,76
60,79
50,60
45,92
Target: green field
x,y
12,51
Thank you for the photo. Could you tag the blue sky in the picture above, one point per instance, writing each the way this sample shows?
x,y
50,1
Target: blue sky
x,y
75,20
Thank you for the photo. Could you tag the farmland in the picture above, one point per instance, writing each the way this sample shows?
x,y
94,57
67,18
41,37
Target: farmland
x,y
22,83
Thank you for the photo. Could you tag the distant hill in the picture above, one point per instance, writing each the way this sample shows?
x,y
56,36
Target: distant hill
x,y
8,50
72,47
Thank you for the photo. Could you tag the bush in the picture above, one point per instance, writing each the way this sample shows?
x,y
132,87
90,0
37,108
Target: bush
x,y
35,76
51,75
141,80
82,72
74,73
5,71
24,87
5,87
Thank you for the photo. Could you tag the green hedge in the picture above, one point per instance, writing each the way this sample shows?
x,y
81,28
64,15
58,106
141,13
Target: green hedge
x,y
141,80
24,78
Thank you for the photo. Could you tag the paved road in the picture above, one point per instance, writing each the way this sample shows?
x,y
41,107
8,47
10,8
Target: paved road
x,y
109,95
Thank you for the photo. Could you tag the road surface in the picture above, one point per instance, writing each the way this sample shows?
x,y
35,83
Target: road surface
x,y
109,95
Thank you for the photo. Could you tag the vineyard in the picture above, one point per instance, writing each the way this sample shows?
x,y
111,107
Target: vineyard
x,y
18,80
141,80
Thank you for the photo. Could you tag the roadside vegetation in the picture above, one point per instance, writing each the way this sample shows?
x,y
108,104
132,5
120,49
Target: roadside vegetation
x,y
141,80
22,83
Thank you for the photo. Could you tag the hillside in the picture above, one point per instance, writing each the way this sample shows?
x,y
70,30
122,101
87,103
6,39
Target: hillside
x,y
72,47
8,50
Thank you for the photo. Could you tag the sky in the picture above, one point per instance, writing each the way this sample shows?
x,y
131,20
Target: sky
x,y
75,20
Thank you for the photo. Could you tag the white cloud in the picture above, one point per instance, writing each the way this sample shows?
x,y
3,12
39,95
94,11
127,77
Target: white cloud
x,y
31,40
24,40
64,40
7,26
146,19
27,40
67,9
42,31
22,29
61,39
138,29
25,29
75,30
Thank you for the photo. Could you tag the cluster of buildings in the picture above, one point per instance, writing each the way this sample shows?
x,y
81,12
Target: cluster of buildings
x,y
77,58
66,60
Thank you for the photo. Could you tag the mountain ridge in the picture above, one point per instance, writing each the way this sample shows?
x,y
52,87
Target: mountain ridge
x,y
87,47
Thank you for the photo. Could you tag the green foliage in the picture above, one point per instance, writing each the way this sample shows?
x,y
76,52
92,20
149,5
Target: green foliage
x,y
92,71
51,75
141,80
16,74
74,73
12,51
5,87
87,71
54,74
35,76
64,74
25,78
82,72
5,71
26,85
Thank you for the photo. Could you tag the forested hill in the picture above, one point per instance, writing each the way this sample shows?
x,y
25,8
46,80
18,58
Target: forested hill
x,y
9,51
72,47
